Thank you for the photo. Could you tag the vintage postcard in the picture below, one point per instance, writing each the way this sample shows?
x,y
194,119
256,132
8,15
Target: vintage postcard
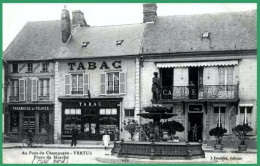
x,y
129,83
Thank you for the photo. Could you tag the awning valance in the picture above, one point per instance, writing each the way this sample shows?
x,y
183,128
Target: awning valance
x,y
197,64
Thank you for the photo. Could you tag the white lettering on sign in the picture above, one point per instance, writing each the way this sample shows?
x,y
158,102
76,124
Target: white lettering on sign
x,y
89,104
167,92
31,108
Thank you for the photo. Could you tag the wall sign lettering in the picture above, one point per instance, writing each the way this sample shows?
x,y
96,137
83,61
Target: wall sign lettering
x,y
93,65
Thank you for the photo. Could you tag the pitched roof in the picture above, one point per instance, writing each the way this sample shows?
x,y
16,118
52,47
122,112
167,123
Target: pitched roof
x,y
38,40
102,41
228,31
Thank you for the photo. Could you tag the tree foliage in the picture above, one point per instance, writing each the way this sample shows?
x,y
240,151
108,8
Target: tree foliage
x,y
172,127
157,109
218,133
241,131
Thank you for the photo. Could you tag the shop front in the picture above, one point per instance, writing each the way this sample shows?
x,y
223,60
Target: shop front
x,y
92,117
25,117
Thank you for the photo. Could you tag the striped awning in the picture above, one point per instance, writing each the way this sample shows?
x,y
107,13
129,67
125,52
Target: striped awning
x,y
197,64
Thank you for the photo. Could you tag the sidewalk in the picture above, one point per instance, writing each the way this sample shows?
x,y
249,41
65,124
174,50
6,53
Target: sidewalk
x,y
99,145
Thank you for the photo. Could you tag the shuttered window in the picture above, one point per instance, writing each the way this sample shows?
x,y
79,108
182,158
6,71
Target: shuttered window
x,y
22,90
85,84
34,89
67,84
113,83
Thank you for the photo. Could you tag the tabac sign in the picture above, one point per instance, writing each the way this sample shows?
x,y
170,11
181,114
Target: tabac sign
x,y
30,108
93,65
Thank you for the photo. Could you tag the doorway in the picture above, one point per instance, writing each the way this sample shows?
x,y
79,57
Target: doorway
x,y
195,127
195,81
167,82
89,127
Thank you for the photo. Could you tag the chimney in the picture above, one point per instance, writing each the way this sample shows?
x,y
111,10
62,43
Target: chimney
x,y
78,19
65,25
150,12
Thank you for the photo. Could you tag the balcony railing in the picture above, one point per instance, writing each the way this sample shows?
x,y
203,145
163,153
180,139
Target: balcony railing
x,y
205,92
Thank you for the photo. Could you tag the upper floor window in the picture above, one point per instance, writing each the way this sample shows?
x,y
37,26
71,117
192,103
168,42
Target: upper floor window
x,y
113,83
15,68
45,66
44,87
225,75
30,67
14,91
77,84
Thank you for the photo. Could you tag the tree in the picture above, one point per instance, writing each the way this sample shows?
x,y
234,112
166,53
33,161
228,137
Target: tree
x,y
132,127
172,127
218,133
241,131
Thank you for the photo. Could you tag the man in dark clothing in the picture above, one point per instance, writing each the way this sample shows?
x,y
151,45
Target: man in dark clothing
x,y
30,138
74,134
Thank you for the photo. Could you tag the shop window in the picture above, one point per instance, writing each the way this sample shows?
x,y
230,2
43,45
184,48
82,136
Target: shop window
x,y
219,117
14,121
71,117
129,112
108,111
28,121
30,67
113,83
45,66
77,84
245,115
44,122
15,68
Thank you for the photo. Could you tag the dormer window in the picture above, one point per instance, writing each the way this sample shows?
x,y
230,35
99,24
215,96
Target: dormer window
x,y
119,42
45,66
85,44
15,68
30,67
205,35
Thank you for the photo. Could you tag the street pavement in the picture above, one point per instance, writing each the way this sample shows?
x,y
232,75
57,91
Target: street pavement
x,y
96,154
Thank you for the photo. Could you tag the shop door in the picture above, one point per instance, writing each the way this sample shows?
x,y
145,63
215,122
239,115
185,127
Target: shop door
x,y
195,127
89,130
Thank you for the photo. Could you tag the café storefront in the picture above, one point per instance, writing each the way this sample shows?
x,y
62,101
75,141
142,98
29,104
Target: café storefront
x,y
92,117
21,118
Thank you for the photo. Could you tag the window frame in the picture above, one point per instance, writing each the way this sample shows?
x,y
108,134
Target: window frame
x,y
129,113
226,121
113,83
13,68
16,87
43,87
245,114
29,68
45,66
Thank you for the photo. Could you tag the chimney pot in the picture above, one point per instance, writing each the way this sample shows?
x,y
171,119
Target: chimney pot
x,y
78,19
65,25
149,12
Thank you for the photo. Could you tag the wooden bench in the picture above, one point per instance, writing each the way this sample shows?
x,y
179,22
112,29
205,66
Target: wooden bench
x,y
63,137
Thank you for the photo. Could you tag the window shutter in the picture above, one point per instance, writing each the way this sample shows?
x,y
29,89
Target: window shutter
x,y
22,90
67,84
34,89
122,83
103,84
85,84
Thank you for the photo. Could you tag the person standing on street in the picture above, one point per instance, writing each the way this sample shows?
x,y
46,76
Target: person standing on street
x,y
106,140
30,138
74,134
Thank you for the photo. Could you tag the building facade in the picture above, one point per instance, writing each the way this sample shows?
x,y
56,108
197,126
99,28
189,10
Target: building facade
x,y
98,77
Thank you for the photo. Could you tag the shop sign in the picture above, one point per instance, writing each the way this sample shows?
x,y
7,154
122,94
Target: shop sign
x,y
90,104
93,65
31,108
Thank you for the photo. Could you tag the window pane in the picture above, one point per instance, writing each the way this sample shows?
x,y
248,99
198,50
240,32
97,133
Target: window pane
x,y
41,87
72,111
108,111
78,111
102,111
114,111
67,111
80,84
110,83
132,112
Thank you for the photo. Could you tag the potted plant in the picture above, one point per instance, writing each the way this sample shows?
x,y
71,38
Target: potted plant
x,y
218,133
172,127
132,127
241,132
